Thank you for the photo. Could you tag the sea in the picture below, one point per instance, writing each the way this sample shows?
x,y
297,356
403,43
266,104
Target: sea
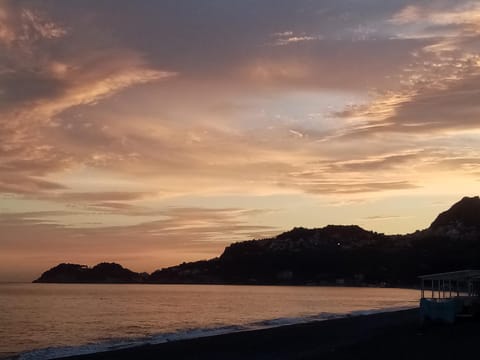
x,y
46,321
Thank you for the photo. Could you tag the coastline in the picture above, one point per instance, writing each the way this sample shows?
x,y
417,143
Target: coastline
x,y
335,338
384,335
391,335
318,285
79,320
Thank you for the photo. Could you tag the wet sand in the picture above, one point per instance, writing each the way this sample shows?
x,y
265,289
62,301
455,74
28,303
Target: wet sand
x,y
395,335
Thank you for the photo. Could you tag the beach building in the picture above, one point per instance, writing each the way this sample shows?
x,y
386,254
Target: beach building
x,y
447,296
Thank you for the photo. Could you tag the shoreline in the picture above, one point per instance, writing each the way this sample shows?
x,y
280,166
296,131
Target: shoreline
x,y
311,340
384,335
392,335
110,317
332,285
192,334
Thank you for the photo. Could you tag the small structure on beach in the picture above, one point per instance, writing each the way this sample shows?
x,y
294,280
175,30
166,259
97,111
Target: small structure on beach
x,y
446,296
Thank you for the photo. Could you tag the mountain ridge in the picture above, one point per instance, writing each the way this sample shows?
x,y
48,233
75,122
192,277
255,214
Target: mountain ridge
x,y
334,254
465,213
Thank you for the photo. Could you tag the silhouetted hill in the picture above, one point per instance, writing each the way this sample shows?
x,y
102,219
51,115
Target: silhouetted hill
x,y
343,255
346,255
465,213
101,273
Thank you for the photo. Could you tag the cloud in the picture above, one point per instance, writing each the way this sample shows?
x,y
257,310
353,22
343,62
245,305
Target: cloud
x,y
113,205
464,13
377,163
26,185
327,64
345,187
39,82
448,108
100,196
438,89
381,217
22,27
408,14
91,106
288,38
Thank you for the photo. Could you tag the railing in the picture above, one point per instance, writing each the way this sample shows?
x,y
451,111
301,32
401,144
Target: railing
x,y
447,289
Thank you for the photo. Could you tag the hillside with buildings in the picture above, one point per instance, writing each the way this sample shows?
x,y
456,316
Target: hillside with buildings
x,y
342,255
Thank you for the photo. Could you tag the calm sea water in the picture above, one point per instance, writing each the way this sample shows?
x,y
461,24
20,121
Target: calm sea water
x,y
43,321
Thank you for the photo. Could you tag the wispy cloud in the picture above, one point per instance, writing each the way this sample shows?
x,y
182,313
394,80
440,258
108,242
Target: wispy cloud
x,y
381,217
22,27
38,85
289,37
438,88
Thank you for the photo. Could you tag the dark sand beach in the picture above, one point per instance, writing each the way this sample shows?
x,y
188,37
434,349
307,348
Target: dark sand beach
x,y
394,335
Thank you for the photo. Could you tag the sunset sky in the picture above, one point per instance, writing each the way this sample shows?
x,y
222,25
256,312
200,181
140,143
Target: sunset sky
x,y
155,132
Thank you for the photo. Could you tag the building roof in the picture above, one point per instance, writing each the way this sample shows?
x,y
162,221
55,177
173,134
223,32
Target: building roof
x,y
453,275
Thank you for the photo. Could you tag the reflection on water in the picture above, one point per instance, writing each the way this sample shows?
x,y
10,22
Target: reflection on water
x,y
36,316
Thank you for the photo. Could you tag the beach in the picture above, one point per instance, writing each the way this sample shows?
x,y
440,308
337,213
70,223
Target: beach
x,y
392,335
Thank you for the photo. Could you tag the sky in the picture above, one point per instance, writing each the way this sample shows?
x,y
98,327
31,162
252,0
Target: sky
x,y
151,133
